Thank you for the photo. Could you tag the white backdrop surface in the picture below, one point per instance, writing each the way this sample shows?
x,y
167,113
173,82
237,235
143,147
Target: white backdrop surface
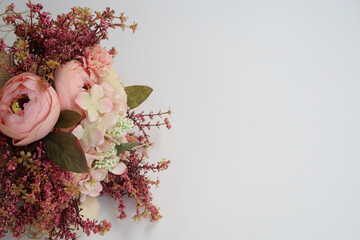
x,y
265,94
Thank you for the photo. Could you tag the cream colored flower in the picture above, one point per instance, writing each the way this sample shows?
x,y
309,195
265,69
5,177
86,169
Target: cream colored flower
x,y
94,102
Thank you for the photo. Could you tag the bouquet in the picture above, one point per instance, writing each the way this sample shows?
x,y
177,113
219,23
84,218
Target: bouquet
x,y
69,133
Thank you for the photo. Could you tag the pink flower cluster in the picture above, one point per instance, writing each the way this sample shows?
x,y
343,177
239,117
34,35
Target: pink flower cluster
x,y
99,98
60,68
35,192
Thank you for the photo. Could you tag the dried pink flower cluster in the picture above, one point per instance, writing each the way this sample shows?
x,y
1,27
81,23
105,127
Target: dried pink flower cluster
x,y
44,43
67,131
38,196
135,183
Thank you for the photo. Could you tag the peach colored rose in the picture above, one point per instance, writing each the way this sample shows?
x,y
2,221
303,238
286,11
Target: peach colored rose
x,y
69,81
98,60
27,111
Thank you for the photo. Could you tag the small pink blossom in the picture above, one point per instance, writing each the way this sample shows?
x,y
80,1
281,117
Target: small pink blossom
x,y
91,185
119,106
92,155
98,60
92,188
112,78
115,90
91,134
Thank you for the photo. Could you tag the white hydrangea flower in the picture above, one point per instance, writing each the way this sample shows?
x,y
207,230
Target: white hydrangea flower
x,y
91,134
94,102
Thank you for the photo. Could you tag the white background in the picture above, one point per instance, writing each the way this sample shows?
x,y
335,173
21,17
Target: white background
x,y
265,94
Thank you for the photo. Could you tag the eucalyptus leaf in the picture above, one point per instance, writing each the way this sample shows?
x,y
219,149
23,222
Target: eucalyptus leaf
x,y
137,94
67,119
64,149
122,147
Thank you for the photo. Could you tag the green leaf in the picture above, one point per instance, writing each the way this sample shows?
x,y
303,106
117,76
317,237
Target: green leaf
x,y
137,94
67,119
64,149
125,146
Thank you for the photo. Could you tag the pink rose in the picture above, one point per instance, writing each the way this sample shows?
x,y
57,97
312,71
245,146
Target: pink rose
x,y
69,81
98,60
28,112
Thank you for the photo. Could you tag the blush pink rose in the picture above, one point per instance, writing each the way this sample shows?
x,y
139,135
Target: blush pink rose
x,y
69,81
98,60
28,112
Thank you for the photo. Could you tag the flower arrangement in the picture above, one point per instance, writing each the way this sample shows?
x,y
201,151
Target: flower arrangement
x,y
68,129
